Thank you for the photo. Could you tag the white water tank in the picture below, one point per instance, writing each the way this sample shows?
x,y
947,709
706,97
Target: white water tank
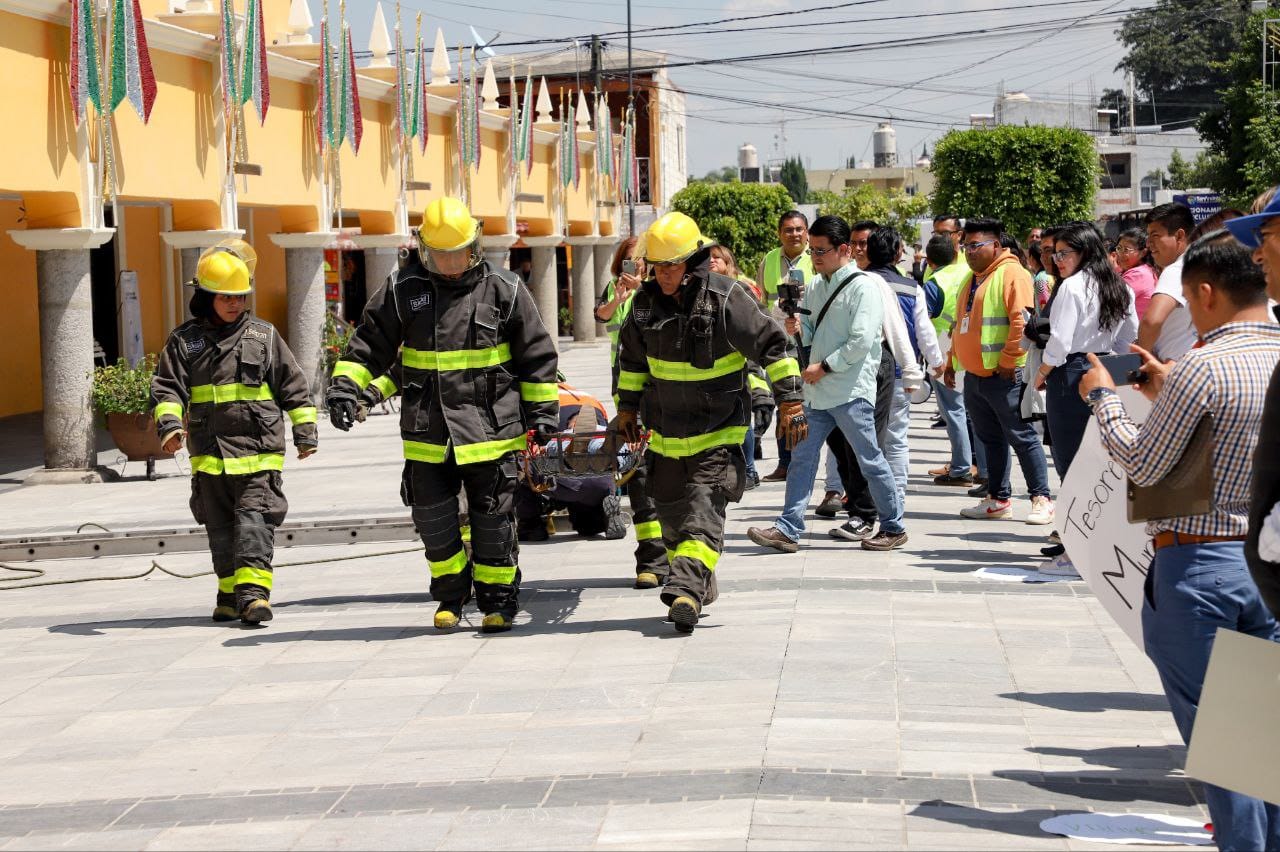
x,y
747,157
884,146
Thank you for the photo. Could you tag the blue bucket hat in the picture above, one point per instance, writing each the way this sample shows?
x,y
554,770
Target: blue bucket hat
x,y
1246,228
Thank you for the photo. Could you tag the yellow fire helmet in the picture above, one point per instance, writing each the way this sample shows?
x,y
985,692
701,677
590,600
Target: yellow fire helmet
x,y
227,269
448,226
673,238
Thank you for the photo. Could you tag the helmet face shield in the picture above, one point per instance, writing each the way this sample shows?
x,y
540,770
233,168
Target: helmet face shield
x,y
453,263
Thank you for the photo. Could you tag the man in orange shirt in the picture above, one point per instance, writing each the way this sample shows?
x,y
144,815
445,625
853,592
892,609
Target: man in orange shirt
x,y
988,342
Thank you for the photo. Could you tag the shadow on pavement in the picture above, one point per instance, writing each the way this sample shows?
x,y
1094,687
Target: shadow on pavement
x,y
98,628
1109,787
1092,702
1168,758
1018,823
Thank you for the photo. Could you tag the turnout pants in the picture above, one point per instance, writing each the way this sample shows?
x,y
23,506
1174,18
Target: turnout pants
x,y
691,495
240,514
431,490
651,555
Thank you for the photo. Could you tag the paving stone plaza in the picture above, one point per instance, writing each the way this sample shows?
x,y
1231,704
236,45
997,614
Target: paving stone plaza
x,y
834,698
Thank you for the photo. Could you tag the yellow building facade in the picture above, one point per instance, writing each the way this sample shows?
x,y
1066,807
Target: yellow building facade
x,y
63,249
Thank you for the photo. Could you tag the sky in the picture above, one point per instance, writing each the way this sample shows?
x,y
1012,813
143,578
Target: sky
x,y
956,56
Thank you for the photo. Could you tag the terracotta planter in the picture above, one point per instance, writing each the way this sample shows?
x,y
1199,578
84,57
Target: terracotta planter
x,y
135,436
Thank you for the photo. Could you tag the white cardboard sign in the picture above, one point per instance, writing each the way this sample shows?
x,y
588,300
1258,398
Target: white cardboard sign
x,y
1235,742
1111,554
130,317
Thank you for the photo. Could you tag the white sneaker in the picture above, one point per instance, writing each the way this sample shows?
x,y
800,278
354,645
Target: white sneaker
x,y
988,510
1041,511
1059,566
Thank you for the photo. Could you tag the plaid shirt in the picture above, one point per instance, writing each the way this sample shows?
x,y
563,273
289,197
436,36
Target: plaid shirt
x,y
1227,377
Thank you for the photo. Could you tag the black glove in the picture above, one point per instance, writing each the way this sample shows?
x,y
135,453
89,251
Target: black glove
x,y
544,433
342,408
762,416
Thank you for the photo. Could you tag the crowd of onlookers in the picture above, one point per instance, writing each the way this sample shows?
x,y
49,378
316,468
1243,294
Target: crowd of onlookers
x,y
1017,341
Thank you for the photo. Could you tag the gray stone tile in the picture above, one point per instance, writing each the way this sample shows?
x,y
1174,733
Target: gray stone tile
x,y
234,808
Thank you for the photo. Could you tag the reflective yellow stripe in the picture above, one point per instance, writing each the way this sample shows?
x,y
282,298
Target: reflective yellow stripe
x,y
489,450
227,585
174,408
453,565
680,371
539,391
756,383
458,359
494,574
219,394
678,448
305,414
696,550
646,530
465,532
237,466
782,368
353,371
256,576
422,452
629,381
385,386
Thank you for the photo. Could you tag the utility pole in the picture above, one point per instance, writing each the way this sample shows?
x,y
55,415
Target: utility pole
x,y
631,202
1129,82
596,81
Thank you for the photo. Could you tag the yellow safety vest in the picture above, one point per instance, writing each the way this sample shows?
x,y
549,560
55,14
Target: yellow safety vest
x,y
995,321
773,273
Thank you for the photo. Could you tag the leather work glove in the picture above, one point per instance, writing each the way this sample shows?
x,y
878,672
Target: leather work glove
x,y
793,426
627,426
342,407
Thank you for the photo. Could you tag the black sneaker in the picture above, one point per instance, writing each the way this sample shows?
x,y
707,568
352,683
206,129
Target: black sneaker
x,y
617,526
854,529
938,423
1053,550
885,541
964,480
979,491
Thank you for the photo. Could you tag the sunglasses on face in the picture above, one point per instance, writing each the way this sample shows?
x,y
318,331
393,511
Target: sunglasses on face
x,y
822,252
975,246
1064,254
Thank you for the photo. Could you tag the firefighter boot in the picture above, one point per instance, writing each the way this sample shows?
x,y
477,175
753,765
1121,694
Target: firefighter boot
x,y
448,614
497,622
684,612
256,611
225,613
647,580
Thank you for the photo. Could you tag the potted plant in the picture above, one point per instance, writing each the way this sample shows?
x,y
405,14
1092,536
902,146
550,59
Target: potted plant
x,y
122,395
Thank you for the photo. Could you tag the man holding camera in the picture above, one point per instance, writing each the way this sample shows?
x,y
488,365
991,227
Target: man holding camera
x,y
843,326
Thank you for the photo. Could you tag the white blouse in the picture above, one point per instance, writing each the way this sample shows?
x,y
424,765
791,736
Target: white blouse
x,y
1073,322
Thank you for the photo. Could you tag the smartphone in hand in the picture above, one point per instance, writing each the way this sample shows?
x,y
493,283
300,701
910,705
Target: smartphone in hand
x,y
1125,369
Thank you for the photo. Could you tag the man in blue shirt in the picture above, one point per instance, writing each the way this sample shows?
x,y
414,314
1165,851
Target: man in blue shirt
x,y
843,329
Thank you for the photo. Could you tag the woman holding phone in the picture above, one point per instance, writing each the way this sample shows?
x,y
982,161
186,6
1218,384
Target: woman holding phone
x,y
1092,311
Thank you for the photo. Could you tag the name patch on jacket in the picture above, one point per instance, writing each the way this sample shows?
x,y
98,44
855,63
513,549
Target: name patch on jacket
x,y
420,302
642,315
192,345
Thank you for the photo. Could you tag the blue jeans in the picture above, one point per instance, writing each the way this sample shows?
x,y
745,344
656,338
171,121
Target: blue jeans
x,y
1191,591
1066,414
894,445
856,421
964,450
994,405
749,450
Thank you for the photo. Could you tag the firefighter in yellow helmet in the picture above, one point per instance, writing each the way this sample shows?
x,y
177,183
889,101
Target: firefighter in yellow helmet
x,y
683,360
478,369
225,381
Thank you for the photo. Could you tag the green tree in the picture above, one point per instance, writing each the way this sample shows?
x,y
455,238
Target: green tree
x,y
742,216
1023,176
795,180
1241,160
724,174
865,202
1174,51
1190,174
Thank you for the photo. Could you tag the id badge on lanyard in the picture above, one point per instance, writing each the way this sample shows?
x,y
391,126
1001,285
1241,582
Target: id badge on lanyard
x,y
968,308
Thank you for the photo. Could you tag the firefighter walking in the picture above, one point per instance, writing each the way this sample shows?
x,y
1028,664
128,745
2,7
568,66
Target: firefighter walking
x,y
478,369
613,309
233,380
683,360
